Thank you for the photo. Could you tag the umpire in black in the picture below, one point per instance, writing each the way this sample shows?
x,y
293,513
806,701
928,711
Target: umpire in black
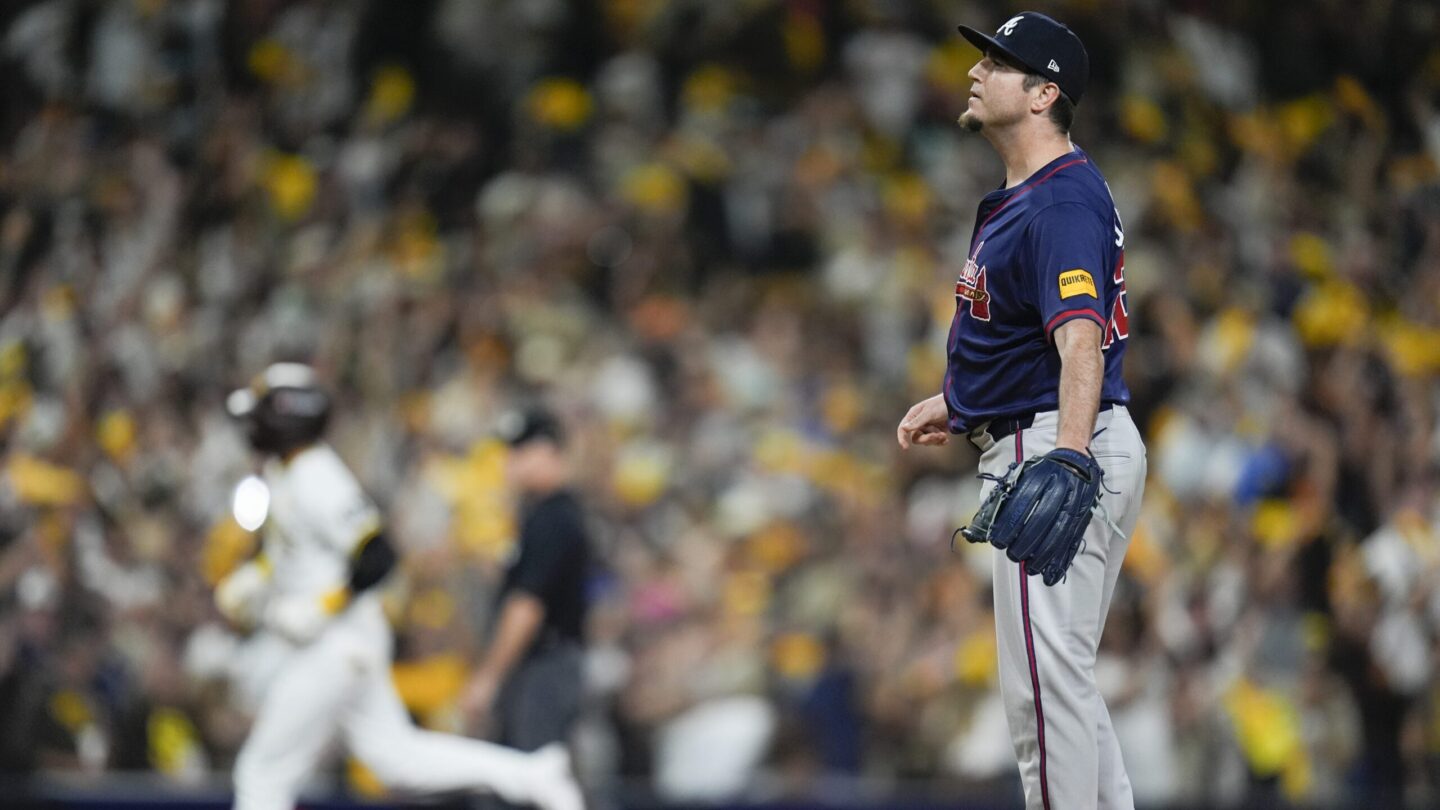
x,y
529,681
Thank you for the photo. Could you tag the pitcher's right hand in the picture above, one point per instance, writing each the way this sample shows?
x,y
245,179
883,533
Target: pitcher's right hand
x,y
927,423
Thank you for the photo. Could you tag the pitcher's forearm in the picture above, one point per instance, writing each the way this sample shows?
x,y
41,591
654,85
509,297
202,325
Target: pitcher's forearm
x,y
1082,372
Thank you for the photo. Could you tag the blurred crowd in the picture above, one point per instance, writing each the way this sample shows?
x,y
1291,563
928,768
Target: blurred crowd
x,y
720,238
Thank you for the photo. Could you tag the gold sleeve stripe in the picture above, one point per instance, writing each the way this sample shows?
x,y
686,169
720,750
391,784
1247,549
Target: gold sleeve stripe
x,y
334,601
365,536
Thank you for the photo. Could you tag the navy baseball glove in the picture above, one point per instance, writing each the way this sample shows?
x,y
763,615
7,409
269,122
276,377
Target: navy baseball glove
x,y
1038,514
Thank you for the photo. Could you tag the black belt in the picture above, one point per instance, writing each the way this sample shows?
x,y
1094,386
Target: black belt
x,y
1002,428
1010,425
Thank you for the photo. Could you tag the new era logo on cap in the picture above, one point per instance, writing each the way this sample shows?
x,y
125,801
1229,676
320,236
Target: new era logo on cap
x,y
1041,44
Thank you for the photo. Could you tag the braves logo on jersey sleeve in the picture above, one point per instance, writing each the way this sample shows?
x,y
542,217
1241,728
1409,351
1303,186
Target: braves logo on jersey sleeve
x,y
971,287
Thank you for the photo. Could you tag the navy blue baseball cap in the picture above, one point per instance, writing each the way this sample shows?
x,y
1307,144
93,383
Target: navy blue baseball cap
x,y
1041,45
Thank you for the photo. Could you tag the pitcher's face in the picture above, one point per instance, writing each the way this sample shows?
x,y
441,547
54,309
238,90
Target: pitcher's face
x,y
998,97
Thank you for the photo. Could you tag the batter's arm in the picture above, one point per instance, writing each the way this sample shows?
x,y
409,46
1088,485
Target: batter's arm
x,y
300,617
372,560
241,594
1082,371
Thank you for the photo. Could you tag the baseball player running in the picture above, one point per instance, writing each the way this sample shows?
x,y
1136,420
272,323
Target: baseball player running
x,y
1034,381
323,552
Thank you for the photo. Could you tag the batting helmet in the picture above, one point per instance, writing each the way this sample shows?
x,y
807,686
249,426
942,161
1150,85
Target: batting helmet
x,y
283,409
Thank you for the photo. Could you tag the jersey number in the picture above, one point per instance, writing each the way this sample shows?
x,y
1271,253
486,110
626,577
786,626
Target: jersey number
x,y
1118,327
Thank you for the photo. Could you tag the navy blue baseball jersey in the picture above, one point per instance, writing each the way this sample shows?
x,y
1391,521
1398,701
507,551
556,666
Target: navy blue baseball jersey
x,y
1043,253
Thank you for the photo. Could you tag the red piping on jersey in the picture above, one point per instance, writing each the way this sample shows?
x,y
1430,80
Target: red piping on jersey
x,y
1022,191
1030,653
1088,313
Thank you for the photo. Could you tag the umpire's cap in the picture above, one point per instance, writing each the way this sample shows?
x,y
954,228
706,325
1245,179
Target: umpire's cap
x,y
1042,45
526,425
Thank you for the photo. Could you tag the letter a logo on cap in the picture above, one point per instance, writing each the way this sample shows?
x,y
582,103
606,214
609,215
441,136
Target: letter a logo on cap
x,y
1009,27
1054,66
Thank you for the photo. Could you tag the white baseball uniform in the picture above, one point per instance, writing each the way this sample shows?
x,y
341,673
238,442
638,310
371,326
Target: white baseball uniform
x,y
337,682
1048,636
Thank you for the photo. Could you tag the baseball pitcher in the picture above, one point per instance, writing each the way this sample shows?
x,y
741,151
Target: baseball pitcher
x,y
1033,380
